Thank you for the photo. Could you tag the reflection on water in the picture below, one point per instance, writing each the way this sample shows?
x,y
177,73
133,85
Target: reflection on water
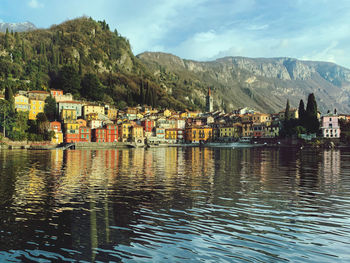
x,y
175,204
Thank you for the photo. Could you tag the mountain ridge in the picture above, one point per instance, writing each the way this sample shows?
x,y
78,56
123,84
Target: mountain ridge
x,y
17,27
270,79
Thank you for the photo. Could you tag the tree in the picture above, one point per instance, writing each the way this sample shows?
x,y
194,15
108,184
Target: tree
x,y
312,124
42,123
10,98
68,79
287,112
301,113
91,87
50,108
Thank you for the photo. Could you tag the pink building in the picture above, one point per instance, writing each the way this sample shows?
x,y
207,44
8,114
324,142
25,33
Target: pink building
x,y
330,126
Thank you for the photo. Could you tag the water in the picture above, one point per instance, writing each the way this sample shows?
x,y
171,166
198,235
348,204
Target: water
x,y
175,205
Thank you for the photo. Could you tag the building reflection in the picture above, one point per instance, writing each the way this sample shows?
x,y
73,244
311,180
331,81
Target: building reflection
x,y
98,196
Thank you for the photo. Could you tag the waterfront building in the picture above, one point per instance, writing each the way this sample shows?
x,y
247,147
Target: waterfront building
x,y
36,107
55,126
137,134
99,135
160,133
111,132
84,134
231,132
330,126
124,131
22,103
148,126
71,131
197,134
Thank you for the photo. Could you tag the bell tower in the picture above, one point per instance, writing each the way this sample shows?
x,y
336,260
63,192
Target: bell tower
x,y
209,102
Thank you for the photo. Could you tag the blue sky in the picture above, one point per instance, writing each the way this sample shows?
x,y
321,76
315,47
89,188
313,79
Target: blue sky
x,y
209,29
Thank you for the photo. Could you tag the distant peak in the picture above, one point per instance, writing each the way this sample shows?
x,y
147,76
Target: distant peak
x,y
17,27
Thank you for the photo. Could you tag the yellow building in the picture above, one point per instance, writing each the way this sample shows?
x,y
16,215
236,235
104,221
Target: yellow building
x,y
261,118
71,126
189,114
171,134
87,109
196,134
137,133
91,117
112,113
232,132
36,106
167,113
68,114
124,131
22,103
57,138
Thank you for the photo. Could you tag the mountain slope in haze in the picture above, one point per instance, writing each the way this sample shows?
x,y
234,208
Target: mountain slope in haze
x,y
262,83
17,27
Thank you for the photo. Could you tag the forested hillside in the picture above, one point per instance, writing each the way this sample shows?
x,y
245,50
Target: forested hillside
x,y
83,57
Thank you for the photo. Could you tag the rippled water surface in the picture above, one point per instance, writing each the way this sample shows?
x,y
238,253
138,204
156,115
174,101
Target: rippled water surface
x,y
175,205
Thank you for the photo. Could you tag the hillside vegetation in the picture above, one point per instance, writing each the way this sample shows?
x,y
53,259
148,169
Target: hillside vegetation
x,y
83,57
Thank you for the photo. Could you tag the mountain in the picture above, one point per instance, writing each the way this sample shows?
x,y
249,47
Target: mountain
x,y
262,83
81,56
17,27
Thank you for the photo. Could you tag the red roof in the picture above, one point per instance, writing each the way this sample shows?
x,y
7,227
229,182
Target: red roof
x,y
72,101
38,91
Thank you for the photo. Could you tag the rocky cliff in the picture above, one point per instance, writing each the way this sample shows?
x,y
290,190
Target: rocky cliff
x,y
262,83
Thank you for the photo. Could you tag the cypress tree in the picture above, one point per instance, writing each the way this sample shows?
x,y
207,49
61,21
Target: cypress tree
x,y
7,39
301,113
311,121
287,112
10,98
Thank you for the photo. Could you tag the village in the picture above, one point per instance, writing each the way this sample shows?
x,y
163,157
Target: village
x,y
85,122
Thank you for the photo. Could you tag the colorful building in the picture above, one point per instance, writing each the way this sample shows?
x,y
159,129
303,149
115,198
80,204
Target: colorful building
x,y
84,134
22,103
197,134
330,126
124,131
68,115
91,108
36,106
70,105
137,133
99,135
38,95
55,126
71,132
111,132
82,122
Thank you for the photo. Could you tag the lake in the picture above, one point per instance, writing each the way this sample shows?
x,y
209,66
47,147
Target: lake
x,y
187,204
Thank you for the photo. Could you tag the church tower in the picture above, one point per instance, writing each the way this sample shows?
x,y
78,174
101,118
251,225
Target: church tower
x,y
209,102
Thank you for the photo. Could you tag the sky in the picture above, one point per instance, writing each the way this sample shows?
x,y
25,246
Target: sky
x,y
209,29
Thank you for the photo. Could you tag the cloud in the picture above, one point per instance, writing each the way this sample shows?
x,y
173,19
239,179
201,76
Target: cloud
x,y
35,4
